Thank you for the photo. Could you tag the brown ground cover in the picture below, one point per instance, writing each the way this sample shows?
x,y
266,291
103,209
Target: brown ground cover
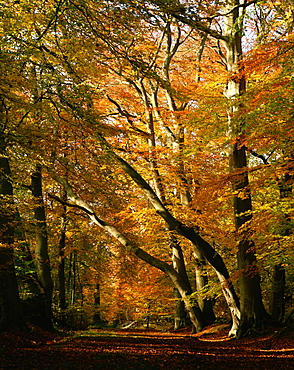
x,y
146,349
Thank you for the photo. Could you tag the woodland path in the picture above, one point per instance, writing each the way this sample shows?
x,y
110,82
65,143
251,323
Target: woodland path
x,y
145,350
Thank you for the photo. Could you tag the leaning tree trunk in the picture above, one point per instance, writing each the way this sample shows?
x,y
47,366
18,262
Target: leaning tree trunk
x,y
11,315
252,309
42,260
177,254
201,246
180,267
193,310
176,141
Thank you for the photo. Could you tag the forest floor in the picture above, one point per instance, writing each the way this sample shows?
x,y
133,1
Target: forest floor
x,y
134,349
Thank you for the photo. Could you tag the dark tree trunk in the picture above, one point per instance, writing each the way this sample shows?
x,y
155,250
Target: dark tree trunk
x,y
251,305
179,311
61,260
11,315
61,273
252,309
97,302
73,291
278,273
61,270
277,301
42,260
205,304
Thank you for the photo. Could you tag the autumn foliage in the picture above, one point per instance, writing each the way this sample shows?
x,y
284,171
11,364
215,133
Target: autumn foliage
x,y
165,156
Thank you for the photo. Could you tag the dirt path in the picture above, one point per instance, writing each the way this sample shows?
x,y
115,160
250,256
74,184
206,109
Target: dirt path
x,y
137,349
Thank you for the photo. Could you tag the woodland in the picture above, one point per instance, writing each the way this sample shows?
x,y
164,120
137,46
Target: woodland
x,y
146,170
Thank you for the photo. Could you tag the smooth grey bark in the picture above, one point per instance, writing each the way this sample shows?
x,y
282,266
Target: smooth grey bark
x,y
11,315
42,260
179,266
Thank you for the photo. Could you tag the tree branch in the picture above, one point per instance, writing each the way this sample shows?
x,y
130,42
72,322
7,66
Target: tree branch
x,y
77,202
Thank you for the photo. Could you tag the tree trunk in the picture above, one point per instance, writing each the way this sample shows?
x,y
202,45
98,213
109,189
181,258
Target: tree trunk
x,y
73,291
179,266
200,245
276,304
252,309
42,260
179,311
61,259
11,315
97,315
61,268
278,272
201,279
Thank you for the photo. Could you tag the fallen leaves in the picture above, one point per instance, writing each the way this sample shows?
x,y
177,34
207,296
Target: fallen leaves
x,y
145,349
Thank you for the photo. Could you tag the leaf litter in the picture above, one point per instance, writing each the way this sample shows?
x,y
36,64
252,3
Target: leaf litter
x,y
135,349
